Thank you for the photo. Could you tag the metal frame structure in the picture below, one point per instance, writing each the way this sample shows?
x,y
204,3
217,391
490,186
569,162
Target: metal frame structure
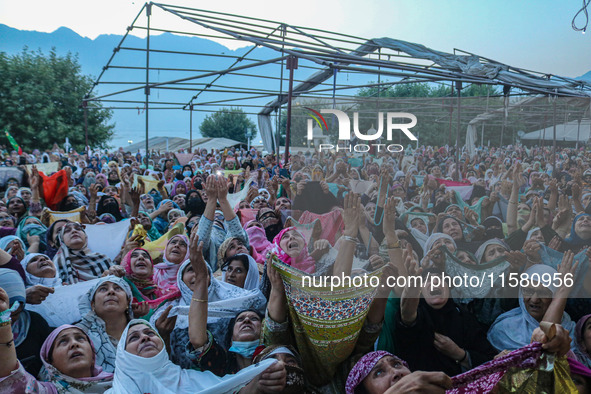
x,y
325,63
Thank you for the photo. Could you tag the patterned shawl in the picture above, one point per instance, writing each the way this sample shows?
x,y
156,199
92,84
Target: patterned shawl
x,y
520,371
79,265
326,322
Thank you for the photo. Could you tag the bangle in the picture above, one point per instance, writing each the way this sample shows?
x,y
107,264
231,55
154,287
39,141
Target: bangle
x,y
395,245
198,300
5,323
348,238
8,344
463,358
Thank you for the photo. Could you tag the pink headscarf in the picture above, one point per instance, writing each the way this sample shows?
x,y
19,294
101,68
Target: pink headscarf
x,y
55,376
257,238
147,286
165,273
304,262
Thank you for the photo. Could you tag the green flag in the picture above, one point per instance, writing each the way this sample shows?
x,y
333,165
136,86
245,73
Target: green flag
x,y
13,142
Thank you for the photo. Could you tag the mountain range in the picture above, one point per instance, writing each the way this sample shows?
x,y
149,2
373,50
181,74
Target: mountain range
x,y
93,55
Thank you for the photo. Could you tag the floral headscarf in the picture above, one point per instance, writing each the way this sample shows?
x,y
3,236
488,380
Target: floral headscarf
x,y
304,262
363,367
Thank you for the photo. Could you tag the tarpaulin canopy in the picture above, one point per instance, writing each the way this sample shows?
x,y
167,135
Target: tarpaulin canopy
x,y
570,132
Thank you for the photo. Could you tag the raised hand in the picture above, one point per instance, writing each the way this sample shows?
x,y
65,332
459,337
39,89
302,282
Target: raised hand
x,y
274,277
567,270
389,222
352,210
196,257
17,251
4,300
211,188
221,188
93,190
517,259
412,269
531,248
165,324
555,243
140,309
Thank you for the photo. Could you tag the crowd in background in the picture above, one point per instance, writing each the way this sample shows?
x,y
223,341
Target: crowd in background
x,y
182,272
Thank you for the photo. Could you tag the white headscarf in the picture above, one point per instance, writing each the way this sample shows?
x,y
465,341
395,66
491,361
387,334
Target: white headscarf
x,y
482,248
95,328
252,277
434,238
224,302
512,330
136,374
32,280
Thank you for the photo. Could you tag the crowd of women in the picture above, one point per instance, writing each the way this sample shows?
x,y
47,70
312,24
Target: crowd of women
x,y
187,274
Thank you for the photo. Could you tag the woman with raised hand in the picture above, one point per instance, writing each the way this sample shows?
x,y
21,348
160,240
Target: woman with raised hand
x,y
67,355
217,191
539,300
223,298
143,365
433,333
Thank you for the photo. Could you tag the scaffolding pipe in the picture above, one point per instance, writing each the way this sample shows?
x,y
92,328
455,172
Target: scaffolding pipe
x,y
292,64
147,90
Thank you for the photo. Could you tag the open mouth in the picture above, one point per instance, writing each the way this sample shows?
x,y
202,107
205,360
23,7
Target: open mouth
x,y
44,264
141,264
535,308
76,354
293,245
247,327
436,292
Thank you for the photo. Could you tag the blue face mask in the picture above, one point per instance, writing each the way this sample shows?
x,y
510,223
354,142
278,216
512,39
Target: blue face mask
x,y
245,349
187,174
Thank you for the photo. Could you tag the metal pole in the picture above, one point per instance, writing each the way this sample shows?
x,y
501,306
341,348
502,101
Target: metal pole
x,y
191,129
578,132
451,110
482,130
459,89
147,89
292,64
85,106
277,136
554,138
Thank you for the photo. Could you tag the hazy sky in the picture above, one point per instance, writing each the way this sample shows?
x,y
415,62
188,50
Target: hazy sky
x,y
532,34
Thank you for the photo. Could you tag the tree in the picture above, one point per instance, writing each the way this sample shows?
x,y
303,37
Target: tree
x,y
227,123
432,104
41,97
